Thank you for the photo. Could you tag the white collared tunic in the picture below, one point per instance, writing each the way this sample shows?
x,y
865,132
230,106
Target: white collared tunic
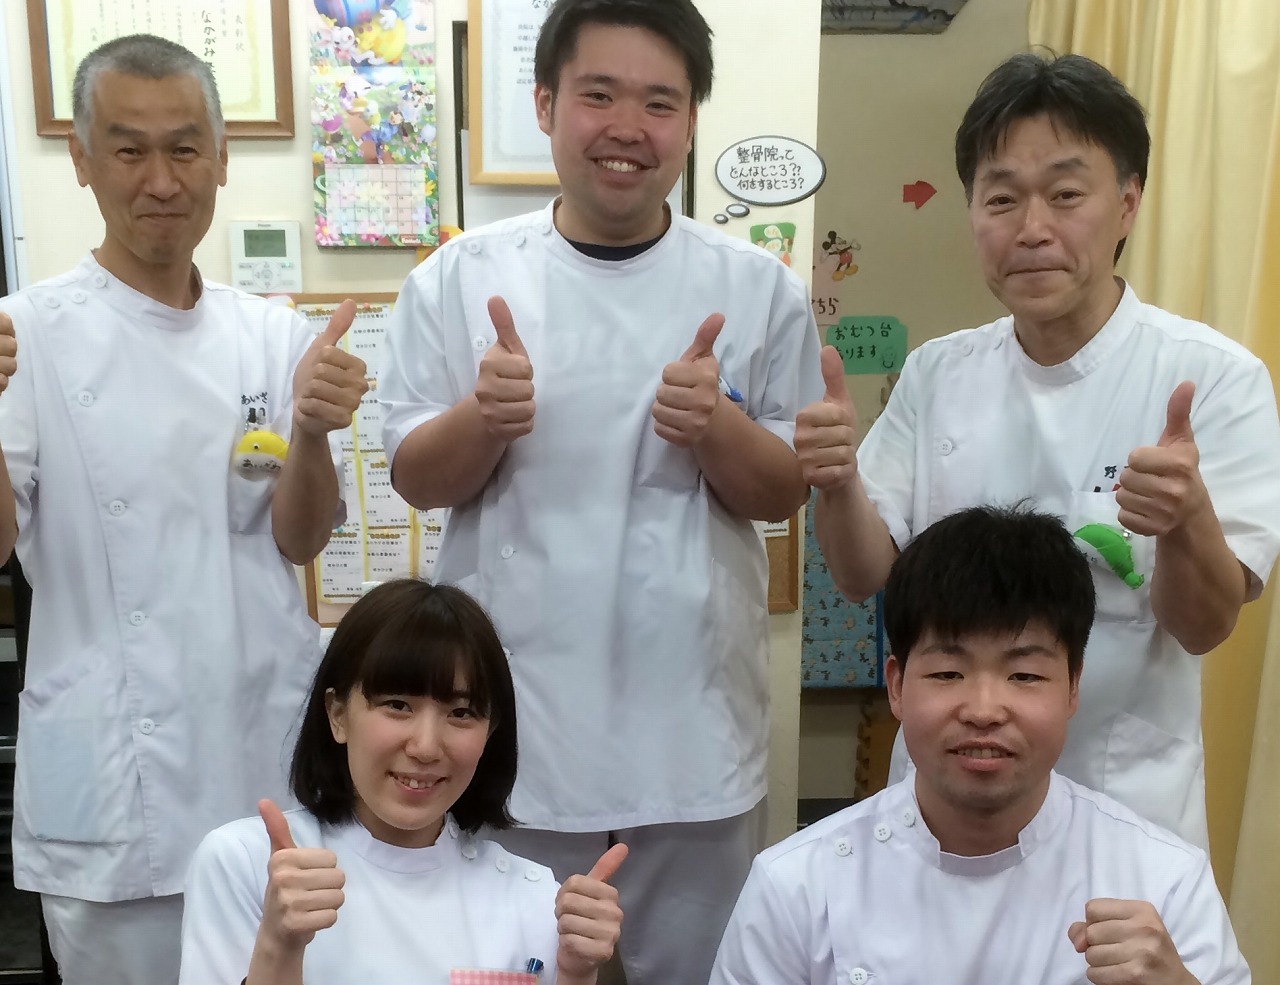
x,y
867,897
632,602
974,420
170,650
409,916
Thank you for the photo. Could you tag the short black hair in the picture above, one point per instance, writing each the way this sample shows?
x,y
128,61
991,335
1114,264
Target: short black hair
x,y
1075,93
991,569
410,637
678,22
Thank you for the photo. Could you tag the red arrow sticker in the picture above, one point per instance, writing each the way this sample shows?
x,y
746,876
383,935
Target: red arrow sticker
x,y
919,193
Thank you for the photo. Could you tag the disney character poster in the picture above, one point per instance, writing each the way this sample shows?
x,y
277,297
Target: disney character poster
x,y
373,122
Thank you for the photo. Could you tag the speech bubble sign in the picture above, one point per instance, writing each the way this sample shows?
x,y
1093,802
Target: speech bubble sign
x,y
869,344
770,170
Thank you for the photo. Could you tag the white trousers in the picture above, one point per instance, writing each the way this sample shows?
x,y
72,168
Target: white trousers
x,y
677,887
132,942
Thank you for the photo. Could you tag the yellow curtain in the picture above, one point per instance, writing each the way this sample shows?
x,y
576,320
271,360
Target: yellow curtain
x,y
1207,246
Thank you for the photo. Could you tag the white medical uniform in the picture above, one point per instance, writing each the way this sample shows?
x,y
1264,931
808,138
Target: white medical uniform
x,y
631,601
170,650
867,897
409,916
974,420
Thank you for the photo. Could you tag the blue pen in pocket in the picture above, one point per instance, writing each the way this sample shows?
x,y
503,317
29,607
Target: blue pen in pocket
x,y
729,391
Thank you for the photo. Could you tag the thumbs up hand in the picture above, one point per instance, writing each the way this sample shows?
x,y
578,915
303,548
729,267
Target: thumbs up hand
x,y
8,351
589,920
504,384
328,383
690,389
826,430
1161,486
304,888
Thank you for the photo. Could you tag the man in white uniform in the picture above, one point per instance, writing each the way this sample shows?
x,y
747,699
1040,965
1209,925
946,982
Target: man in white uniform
x,y
983,866
1154,437
169,649
609,529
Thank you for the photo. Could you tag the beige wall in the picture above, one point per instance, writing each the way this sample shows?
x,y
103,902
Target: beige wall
x,y
272,180
888,108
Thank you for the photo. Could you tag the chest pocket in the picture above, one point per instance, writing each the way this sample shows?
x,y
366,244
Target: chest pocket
x,y
1115,569
249,503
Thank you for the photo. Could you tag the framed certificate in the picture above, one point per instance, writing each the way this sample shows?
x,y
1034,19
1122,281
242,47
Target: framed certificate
x,y
245,42
507,146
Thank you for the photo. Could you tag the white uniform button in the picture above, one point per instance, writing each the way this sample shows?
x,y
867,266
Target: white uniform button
x,y
533,875
503,863
883,832
545,227
967,348
50,301
137,618
469,851
859,976
507,552
85,398
473,247
945,446
842,847
117,507
146,726
79,297
909,817
480,343
99,279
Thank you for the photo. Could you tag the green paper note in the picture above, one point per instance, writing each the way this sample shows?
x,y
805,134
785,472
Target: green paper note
x,y
869,344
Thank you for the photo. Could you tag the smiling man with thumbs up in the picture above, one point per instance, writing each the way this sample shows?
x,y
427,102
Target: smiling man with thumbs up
x,y
1134,424
984,866
171,447
605,394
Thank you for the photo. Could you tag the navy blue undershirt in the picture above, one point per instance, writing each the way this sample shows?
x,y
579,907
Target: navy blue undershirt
x,y
614,253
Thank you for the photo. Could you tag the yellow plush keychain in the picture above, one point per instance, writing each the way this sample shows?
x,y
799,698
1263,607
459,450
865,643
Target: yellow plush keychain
x,y
259,453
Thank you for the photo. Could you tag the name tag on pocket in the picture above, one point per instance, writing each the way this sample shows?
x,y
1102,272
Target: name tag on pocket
x,y
478,976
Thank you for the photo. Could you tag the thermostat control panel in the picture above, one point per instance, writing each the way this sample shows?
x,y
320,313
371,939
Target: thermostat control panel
x,y
266,257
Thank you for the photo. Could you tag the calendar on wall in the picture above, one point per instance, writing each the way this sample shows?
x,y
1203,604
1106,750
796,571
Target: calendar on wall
x,y
373,122
388,200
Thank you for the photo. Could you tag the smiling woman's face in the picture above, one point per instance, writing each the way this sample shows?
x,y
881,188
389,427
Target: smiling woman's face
x,y
411,757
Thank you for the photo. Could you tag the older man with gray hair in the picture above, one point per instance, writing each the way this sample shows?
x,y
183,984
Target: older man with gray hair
x,y
170,446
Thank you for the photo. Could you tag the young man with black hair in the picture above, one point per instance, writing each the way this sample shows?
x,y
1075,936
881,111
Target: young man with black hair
x,y
1155,437
609,528
983,865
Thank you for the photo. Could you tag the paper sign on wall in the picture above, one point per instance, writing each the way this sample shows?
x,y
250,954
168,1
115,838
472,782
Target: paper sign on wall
x,y
770,170
869,344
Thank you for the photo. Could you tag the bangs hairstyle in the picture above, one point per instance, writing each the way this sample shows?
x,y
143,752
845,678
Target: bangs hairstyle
x,y
1077,95
412,638
991,570
677,22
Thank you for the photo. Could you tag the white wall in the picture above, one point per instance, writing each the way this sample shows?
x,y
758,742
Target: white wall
x,y
271,179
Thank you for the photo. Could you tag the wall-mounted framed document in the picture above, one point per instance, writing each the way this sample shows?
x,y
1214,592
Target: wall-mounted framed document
x,y
507,146
246,42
